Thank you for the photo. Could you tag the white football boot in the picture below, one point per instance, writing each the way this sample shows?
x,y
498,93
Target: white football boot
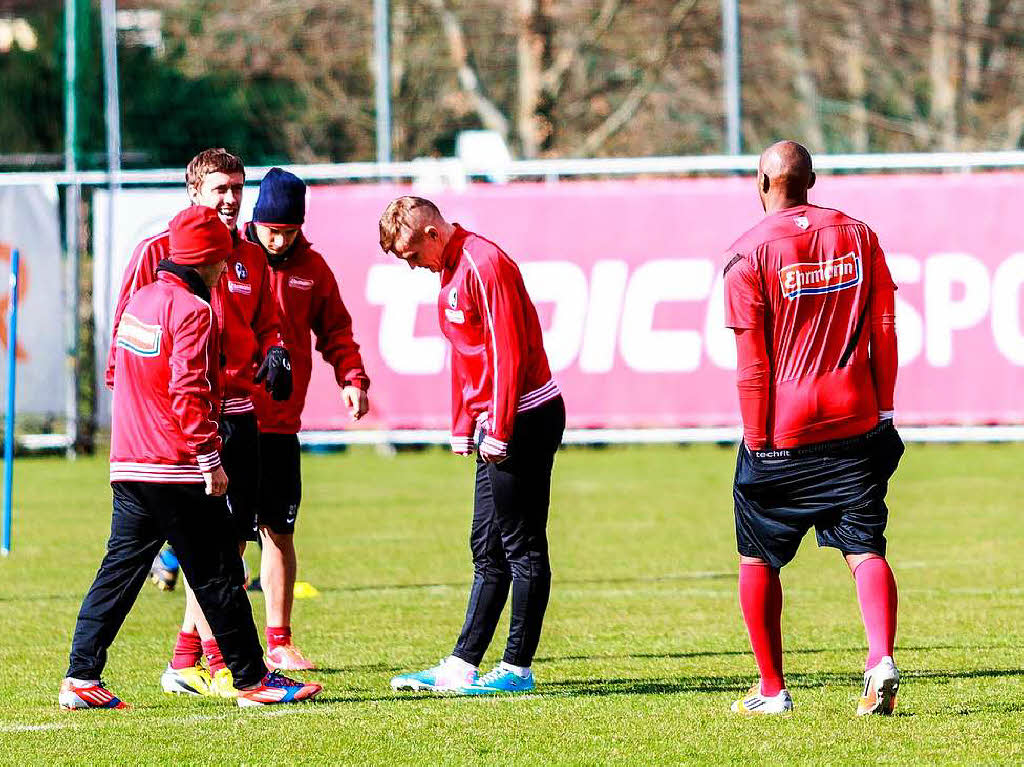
x,y
881,684
756,703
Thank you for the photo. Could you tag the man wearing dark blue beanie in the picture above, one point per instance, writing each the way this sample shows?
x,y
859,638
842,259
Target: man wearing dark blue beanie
x,y
309,303
282,200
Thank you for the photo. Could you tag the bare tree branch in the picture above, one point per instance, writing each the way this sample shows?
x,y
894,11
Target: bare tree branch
x,y
490,115
554,77
648,81
1014,128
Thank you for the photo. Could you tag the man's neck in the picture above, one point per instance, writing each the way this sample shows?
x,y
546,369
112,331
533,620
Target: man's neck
x,y
774,205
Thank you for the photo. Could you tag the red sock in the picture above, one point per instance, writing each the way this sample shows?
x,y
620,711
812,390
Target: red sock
x,y
213,657
761,603
187,650
876,592
278,635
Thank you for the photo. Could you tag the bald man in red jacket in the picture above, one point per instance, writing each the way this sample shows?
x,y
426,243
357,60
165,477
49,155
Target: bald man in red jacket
x,y
811,301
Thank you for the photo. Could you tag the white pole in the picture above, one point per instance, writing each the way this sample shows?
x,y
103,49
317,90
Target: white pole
x,y
731,65
72,203
108,24
382,57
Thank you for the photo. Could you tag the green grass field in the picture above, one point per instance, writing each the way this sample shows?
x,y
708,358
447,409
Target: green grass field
x,y
643,649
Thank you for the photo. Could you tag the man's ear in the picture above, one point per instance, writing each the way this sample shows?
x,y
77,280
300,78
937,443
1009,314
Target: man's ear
x,y
431,231
193,194
810,183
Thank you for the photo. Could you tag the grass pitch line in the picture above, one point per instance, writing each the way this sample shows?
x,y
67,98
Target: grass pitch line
x,y
37,727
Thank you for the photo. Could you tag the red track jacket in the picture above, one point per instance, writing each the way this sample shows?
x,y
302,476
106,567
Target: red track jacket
x,y
499,366
242,301
308,301
819,360
166,388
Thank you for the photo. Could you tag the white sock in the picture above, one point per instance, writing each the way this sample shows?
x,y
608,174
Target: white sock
x,y
83,682
459,665
521,671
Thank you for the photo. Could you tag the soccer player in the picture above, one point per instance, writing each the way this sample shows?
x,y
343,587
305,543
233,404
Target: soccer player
x,y
166,475
253,350
810,299
501,387
310,305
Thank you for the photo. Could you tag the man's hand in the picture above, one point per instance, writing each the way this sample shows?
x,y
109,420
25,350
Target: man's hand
x,y
277,370
216,481
356,401
493,450
462,445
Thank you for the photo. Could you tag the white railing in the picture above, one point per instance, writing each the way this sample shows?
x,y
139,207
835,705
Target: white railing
x,y
551,169
717,435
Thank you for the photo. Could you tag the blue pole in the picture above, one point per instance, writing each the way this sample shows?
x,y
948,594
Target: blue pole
x,y
12,345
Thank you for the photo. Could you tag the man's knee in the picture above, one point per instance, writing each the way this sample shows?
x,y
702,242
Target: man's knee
x,y
532,566
854,561
282,541
491,569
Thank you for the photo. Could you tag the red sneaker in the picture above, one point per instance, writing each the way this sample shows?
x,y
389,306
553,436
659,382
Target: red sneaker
x,y
277,688
77,695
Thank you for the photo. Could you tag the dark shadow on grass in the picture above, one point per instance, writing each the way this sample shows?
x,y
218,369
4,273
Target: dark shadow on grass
x,y
728,653
734,683
697,576
359,668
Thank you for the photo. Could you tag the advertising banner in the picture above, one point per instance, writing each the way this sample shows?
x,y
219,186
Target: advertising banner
x,y
29,221
627,279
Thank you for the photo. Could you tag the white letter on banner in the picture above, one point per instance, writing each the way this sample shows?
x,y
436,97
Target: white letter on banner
x,y
942,314
564,284
607,287
401,292
662,351
1006,308
719,340
906,270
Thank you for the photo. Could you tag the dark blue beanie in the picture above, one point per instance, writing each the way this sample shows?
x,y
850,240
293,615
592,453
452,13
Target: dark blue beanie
x,y
282,199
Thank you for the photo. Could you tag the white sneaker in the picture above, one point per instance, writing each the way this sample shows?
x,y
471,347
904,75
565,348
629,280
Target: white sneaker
x,y
881,684
756,703
450,675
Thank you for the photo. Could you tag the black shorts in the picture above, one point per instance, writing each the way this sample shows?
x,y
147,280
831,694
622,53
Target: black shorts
x,y
240,457
837,487
281,487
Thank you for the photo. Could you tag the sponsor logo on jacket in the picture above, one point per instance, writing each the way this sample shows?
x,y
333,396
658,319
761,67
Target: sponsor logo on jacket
x,y
137,337
454,313
823,277
301,283
239,287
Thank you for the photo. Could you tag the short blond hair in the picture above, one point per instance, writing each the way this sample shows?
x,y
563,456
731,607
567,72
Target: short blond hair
x,y
218,160
406,214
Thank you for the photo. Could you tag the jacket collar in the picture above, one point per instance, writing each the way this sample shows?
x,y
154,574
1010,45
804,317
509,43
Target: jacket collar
x,y
453,248
300,245
186,274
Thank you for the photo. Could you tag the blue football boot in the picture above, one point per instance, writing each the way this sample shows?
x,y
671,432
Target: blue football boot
x,y
450,675
500,680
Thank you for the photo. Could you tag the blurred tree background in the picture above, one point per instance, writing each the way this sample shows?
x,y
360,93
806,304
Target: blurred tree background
x,y
292,80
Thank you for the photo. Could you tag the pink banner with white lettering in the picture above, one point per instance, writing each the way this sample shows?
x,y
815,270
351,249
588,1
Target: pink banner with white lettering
x,y
626,276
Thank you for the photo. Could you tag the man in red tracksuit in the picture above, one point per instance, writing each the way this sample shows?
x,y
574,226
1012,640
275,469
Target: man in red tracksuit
x,y
810,298
503,389
310,305
252,349
166,474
